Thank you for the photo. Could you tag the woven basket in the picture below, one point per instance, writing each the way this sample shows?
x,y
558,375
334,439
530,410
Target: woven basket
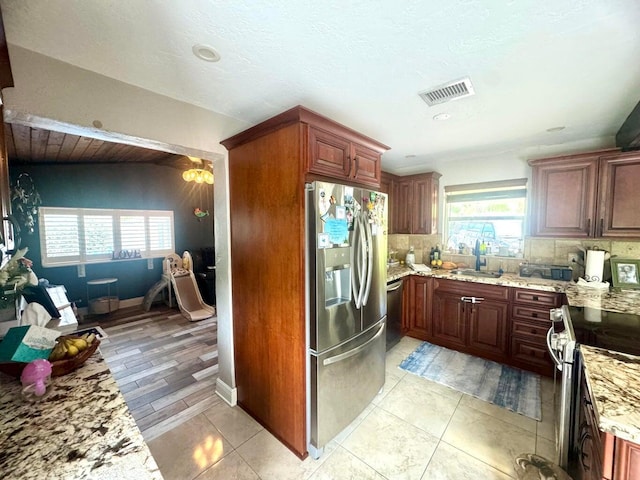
x,y
59,367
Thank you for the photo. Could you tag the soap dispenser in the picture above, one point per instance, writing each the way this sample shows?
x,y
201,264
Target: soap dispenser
x,y
410,259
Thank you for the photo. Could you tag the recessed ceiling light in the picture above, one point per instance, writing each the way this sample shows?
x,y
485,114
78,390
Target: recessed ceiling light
x,y
442,116
555,129
206,53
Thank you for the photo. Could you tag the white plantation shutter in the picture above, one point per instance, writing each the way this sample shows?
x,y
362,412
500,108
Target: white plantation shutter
x,y
133,232
71,236
59,230
98,235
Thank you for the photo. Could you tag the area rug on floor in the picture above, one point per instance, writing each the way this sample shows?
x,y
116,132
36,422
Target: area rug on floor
x,y
511,388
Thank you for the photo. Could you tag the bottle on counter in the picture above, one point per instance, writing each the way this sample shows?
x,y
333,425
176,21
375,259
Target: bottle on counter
x,y
431,254
437,255
483,248
410,259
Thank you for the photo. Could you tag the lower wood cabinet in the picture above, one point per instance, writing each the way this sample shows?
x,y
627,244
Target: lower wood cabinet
x,y
471,317
418,294
596,455
504,324
529,324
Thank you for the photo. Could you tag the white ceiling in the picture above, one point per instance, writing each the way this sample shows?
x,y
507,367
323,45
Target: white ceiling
x,y
534,64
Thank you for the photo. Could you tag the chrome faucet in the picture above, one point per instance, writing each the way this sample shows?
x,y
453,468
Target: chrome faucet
x,y
479,263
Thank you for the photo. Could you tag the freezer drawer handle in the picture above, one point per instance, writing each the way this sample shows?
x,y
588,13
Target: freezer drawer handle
x,y
355,351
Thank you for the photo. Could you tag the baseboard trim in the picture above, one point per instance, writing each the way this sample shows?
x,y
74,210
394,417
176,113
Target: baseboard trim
x,y
225,392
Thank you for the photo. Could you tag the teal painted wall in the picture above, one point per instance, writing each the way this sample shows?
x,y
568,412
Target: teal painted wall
x,y
122,186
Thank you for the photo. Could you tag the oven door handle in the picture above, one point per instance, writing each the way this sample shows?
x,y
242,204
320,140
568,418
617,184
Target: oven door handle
x,y
552,352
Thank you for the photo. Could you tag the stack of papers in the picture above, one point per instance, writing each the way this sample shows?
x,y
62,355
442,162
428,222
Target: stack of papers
x,y
420,267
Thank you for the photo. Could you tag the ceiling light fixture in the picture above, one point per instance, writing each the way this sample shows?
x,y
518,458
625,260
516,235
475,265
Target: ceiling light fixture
x,y
198,175
555,129
205,52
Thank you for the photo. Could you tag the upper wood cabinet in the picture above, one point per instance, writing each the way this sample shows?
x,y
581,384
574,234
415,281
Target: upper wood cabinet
x,y
328,150
586,195
414,203
334,156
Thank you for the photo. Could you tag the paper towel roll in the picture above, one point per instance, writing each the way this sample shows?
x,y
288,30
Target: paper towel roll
x,y
594,268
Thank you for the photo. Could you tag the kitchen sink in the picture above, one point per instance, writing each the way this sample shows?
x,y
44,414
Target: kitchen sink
x,y
475,273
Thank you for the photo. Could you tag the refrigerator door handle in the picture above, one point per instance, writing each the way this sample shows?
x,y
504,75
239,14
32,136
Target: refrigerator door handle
x,y
369,247
363,261
355,351
355,260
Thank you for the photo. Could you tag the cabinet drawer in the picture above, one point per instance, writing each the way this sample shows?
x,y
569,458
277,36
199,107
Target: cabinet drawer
x,y
532,331
469,289
537,298
532,314
530,352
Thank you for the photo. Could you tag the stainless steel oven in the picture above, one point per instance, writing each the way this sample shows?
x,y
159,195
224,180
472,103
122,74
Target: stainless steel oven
x,y
561,342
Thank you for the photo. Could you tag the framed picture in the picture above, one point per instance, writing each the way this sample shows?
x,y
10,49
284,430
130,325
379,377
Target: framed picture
x,y
625,273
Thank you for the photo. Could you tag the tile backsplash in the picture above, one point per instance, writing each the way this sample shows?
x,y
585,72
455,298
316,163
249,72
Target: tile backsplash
x,y
536,250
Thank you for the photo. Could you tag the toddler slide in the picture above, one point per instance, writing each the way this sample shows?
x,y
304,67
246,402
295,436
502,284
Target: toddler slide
x,y
188,296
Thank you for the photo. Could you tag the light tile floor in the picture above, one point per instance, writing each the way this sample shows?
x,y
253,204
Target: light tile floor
x,y
414,429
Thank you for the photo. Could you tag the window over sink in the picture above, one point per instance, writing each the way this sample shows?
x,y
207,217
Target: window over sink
x,y
491,212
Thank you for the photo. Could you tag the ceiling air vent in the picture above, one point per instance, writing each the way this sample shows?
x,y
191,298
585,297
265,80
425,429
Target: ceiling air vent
x,y
448,91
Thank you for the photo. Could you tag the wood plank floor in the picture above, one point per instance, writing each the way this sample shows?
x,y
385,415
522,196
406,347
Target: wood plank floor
x,y
165,366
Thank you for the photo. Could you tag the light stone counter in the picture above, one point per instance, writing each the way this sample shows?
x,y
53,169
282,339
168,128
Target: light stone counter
x,y
506,280
614,383
82,429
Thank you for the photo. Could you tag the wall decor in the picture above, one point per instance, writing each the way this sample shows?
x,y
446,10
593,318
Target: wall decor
x,y
25,201
198,212
625,273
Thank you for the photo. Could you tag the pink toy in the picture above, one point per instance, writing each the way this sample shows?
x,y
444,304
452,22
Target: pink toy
x,y
38,374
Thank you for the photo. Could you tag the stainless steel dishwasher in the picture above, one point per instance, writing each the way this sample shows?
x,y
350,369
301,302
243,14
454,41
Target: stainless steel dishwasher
x,y
394,313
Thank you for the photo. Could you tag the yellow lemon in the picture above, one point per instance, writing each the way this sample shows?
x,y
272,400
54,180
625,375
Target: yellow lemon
x,y
434,262
439,262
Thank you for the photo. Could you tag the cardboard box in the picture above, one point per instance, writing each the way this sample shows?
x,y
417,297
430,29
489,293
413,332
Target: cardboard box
x,y
27,343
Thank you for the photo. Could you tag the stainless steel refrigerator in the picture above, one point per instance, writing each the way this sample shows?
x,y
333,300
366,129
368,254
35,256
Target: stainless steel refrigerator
x,y
346,277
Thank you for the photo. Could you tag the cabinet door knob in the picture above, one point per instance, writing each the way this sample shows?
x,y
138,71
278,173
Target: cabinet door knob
x,y
588,225
534,314
601,226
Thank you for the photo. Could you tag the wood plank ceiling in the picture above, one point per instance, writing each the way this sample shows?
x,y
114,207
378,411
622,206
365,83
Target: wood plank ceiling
x,y
27,145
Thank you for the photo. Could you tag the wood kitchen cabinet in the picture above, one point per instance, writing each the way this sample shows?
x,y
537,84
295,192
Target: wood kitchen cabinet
x,y
333,154
586,195
598,455
418,292
414,203
478,328
268,167
529,325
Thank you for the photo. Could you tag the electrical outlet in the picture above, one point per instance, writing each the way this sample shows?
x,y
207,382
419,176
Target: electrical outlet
x,y
572,258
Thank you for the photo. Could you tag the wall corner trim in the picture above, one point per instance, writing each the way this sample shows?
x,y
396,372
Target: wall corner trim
x,y
227,393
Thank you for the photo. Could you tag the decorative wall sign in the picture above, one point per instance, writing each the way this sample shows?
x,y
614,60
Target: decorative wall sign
x,y
126,255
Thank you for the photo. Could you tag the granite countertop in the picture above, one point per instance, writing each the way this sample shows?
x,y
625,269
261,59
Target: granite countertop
x,y
82,429
614,382
506,280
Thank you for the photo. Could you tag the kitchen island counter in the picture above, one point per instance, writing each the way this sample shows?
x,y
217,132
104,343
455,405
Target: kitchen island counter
x,y
613,380
81,429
